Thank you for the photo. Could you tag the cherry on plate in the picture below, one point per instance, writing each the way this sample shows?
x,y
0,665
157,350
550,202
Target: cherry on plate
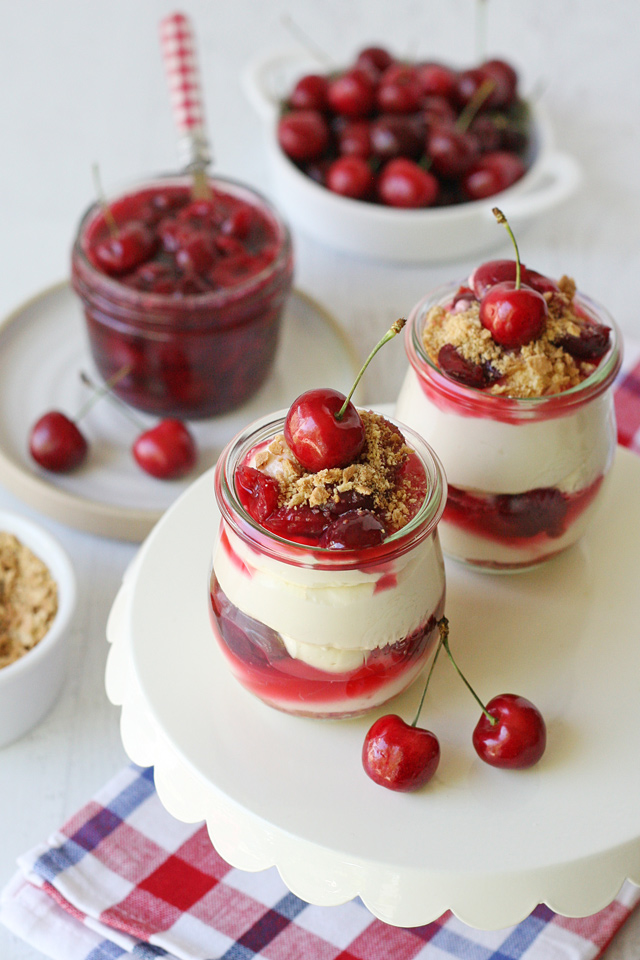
x,y
56,443
400,756
519,737
166,451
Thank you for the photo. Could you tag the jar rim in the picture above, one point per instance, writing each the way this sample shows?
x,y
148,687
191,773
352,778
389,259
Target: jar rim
x,y
592,386
111,287
422,524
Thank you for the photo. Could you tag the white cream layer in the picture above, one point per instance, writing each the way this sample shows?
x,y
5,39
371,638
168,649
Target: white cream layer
x,y
482,454
332,619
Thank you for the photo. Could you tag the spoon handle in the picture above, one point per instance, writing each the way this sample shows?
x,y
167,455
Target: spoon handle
x,y
185,91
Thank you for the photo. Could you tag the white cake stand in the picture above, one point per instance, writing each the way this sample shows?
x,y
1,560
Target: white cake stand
x,y
487,844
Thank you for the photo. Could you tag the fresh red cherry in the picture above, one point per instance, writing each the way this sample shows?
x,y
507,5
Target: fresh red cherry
x,y
353,530
492,173
303,134
395,136
519,737
505,81
402,183
354,139
438,112
126,248
350,177
496,271
310,93
352,94
452,151
435,79
56,443
398,91
316,438
513,314
511,732
374,60
399,756
322,427
166,451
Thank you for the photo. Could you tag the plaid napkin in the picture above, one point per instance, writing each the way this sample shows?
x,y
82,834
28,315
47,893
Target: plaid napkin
x,y
122,877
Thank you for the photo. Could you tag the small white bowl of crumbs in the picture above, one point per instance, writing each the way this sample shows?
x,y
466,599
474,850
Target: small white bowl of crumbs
x,y
37,601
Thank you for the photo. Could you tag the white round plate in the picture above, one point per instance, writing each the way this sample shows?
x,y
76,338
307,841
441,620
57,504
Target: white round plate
x,y
487,844
43,350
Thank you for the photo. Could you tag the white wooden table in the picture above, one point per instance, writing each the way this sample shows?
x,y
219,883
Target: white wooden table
x,y
81,83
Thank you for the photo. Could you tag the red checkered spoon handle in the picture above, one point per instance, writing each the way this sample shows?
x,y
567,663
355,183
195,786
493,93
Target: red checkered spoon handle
x,y
181,65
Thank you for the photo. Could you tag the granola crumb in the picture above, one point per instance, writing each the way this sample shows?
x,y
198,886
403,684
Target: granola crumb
x,y
374,474
28,599
537,369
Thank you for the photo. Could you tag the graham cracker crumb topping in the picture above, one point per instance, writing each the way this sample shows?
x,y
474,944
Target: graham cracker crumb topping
x,y
28,599
537,369
374,474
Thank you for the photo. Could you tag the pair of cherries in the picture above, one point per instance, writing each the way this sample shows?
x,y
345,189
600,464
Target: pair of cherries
x,y
166,451
510,734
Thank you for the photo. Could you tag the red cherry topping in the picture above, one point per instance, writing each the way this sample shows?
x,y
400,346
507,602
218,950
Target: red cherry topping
x,y
454,365
130,245
519,737
303,134
399,756
166,451
353,530
403,183
496,271
316,438
591,344
513,314
56,443
259,493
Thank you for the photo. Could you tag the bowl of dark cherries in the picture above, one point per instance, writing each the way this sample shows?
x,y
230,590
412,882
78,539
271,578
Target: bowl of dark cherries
x,y
403,161
183,295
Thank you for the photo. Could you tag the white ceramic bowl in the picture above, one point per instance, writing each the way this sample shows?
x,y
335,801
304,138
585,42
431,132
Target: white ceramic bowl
x,y
30,686
411,236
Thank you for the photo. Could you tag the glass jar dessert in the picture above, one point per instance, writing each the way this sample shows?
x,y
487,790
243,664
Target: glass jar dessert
x,y
326,588
183,298
526,433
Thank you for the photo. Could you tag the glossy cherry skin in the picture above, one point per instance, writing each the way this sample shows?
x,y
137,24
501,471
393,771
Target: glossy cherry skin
x,y
310,93
517,740
496,271
402,183
452,151
398,756
353,530
350,177
513,316
166,451
316,438
352,94
491,174
303,134
56,443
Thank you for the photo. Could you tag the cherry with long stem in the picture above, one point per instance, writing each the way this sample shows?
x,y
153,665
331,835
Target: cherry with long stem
x,y
323,428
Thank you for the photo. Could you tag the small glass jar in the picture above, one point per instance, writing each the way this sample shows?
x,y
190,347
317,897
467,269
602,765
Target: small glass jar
x,y
525,475
323,632
186,354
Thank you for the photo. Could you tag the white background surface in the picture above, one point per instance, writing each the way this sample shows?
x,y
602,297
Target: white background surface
x,y
83,82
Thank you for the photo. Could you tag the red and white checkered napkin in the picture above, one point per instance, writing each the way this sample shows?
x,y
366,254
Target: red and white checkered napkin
x,y
122,877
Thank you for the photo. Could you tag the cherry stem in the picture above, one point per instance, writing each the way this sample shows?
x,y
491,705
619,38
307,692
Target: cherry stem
x,y
441,628
302,37
389,335
106,389
444,639
474,104
500,217
109,218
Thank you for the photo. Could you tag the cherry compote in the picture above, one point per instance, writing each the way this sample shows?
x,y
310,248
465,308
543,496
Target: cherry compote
x,y
186,294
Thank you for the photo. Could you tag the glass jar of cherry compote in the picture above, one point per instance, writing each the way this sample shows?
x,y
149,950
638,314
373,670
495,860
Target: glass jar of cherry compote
x,y
183,298
525,475
322,632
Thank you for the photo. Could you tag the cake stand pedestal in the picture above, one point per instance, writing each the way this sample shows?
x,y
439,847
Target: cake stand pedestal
x,y
487,844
